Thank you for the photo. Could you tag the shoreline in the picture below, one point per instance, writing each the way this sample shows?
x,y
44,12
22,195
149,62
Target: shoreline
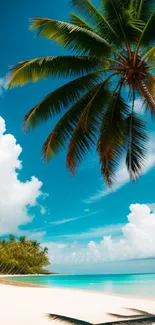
x,y
30,305
13,283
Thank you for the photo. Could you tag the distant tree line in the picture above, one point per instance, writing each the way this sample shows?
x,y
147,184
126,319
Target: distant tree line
x,y
22,256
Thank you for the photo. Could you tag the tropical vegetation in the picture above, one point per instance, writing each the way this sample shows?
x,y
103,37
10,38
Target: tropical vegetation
x,y
110,67
142,317
22,256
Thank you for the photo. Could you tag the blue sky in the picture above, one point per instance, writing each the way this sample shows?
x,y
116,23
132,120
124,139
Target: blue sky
x,y
74,211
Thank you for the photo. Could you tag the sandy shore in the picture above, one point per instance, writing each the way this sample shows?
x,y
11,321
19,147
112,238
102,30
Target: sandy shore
x,y
29,306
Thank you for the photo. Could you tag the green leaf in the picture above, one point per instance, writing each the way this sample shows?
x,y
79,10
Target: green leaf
x,y
78,21
148,35
77,39
150,55
142,9
122,19
61,99
112,137
85,133
102,26
136,138
55,66
65,127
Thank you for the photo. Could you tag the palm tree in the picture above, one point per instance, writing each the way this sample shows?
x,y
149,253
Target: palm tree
x,y
141,318
22,239
45,250
12,238
112,64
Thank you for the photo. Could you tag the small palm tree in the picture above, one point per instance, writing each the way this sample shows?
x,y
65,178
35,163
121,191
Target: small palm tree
x,y
22,239
12,238
112,65
141,318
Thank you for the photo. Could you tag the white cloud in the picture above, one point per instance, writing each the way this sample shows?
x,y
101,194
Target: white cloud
x,y
137,241
96,232
42,209
151,206
139,106
122,176
86,210
3,85
16,197
62,221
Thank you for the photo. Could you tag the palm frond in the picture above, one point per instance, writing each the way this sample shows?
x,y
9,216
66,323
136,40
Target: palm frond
x,y
56,66
68,320
141,8
136,138
60,99
78,21
147,36
112,136
97,19
150,55
122,20
65,127
85,133
80,40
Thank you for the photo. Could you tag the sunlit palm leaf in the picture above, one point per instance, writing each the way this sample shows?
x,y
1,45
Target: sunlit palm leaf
x,y
150,55
56,66
61,99
78,39
137,138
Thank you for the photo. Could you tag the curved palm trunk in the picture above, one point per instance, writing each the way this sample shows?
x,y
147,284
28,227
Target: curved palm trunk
x,y
147,95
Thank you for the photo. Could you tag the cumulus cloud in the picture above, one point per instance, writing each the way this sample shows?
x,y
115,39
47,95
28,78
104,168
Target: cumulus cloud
x,y
122,176
137,241
16,197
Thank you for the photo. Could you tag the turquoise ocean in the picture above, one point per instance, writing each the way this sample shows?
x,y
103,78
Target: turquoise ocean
x,y
142,285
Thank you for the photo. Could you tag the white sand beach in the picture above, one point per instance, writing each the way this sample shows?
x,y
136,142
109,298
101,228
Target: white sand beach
x,y
29,306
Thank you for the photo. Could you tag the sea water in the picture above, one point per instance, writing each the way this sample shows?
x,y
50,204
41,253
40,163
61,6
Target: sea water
x,y
142,285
